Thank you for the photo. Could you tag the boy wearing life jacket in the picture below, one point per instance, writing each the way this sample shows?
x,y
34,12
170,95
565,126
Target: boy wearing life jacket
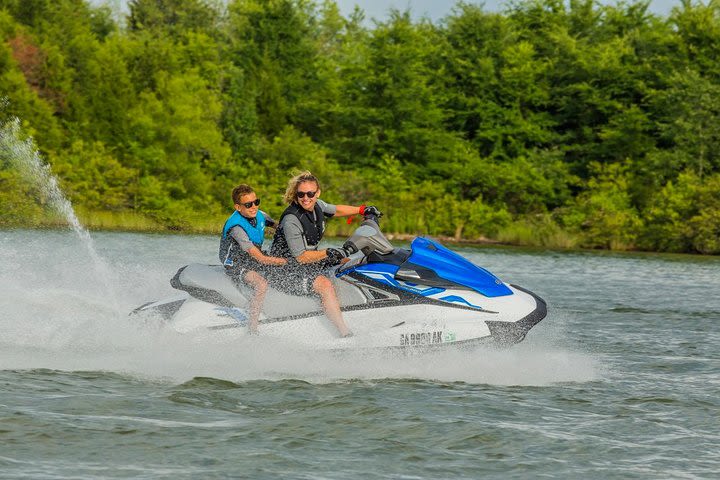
x,y
241,248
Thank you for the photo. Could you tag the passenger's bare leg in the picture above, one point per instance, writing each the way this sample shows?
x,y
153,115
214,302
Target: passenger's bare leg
x,y
259,286
324,287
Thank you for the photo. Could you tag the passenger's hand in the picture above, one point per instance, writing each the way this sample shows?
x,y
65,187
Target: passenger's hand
x,y
371,210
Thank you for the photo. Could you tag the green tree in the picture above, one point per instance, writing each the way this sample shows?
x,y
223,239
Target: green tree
x,y
691,122
603,214
697,25
93,178
685,216
272,44
178,147
172,17
19,61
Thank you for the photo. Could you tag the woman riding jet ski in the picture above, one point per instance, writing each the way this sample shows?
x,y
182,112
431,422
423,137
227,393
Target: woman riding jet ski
x,y
426,295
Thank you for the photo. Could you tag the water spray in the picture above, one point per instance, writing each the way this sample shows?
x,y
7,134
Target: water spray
x,y
25,157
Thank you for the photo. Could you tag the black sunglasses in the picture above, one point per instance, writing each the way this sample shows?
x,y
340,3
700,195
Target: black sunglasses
x,y
255,202
309,194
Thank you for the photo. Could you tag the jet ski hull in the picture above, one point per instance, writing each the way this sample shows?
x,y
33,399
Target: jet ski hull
x,y
380,315
422,297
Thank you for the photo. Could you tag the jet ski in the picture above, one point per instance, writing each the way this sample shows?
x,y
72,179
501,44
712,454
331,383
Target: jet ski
x,y
423,297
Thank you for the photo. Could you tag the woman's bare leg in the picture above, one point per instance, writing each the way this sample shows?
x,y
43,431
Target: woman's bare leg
x,y
324,287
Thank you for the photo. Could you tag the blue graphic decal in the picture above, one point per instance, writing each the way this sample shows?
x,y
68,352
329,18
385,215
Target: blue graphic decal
x,y
385,273
378,267
458,299
236,314
419,289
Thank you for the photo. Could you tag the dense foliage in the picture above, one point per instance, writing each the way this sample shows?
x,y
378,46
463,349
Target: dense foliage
x,y
555,123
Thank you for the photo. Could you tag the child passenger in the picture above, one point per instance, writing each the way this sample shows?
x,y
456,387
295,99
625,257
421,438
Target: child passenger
x,y
241,248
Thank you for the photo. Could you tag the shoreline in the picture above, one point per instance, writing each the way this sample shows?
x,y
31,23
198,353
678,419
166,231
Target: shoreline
x,y
406,237
335,235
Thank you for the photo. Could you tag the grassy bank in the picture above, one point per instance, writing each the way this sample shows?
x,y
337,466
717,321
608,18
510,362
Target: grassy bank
x,y
520,233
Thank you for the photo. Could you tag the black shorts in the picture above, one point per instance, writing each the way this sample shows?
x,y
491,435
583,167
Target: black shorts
x,y
295,279
237,272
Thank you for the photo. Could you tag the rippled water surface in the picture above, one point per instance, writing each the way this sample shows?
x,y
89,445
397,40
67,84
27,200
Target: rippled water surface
x,y
621,380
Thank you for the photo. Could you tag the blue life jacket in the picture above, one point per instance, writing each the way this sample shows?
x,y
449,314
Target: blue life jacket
x,y
230,253
256,233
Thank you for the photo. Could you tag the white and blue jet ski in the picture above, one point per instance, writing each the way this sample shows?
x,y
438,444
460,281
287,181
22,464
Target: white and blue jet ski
x,y
424,296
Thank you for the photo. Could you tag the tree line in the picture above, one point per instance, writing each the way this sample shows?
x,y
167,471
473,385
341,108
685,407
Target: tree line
x,y
551,123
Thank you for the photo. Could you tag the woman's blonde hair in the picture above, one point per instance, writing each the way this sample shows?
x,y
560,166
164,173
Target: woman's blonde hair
x,y
294,182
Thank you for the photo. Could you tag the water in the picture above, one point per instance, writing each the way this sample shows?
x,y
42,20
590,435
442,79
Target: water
x,y
621,380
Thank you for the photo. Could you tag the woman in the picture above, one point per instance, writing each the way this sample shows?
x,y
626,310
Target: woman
x,y
297,236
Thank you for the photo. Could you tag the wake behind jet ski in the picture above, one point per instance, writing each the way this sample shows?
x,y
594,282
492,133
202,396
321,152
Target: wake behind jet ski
x,y
423,296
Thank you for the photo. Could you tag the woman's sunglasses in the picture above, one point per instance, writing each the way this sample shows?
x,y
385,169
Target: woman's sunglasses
x,y
309,194
255,202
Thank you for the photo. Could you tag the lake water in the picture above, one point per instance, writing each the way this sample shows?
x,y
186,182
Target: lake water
x,y
621,380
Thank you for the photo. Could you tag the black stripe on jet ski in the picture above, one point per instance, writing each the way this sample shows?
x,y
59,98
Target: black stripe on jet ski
x,y
165,310
226,327
350,308
299,316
